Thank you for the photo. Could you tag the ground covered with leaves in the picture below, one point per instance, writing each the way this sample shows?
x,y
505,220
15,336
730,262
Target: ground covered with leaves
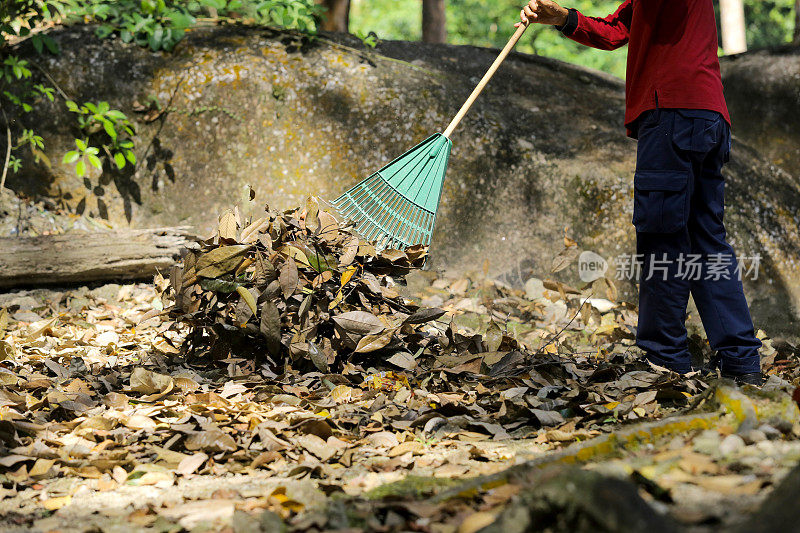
x,y
288,375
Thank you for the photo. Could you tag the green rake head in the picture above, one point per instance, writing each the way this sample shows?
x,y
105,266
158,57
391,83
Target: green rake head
x,y
396,206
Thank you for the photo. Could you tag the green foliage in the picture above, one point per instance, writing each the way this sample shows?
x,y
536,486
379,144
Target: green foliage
x,y
370,40
161,24
19,17
389,19
108,128
490,23
83,154
486,23
18,93
769,22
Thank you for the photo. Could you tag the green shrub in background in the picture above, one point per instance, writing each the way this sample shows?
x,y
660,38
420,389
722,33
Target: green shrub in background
x,y
485,23
18,93
160,24
769,22
489,23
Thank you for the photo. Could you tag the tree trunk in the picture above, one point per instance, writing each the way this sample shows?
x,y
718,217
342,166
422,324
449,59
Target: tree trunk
x,y
734,39
337,16
434,21
797,22
85,257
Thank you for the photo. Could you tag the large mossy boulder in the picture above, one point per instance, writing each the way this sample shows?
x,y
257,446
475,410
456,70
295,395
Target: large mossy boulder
x,y
543,151
763,93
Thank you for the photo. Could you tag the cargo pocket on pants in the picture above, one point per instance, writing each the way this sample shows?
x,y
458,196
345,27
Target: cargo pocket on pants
x,y
694,133
660,199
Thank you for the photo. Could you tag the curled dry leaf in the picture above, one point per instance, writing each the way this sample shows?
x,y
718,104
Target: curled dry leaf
x,y
148,382
371,343
360,322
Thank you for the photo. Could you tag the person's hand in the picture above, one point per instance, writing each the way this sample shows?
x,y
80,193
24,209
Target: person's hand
x,y
543,12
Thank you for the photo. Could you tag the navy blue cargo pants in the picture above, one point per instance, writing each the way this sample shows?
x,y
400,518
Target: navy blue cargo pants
x,y
680,241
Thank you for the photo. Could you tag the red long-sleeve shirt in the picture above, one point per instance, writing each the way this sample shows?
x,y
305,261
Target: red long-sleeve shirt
x,y
672,53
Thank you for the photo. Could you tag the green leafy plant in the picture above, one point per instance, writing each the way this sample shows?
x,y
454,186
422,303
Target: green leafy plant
x,y
153,23
161,24
108,128
18,93
370,39
293,14
83,154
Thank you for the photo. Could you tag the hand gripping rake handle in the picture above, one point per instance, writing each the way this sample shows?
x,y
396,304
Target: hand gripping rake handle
x,y
488,76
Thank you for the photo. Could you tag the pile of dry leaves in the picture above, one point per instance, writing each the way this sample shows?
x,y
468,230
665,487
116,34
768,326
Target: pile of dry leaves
x,y
297,287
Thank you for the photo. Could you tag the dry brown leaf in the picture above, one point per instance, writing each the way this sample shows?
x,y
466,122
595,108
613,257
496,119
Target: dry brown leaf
x,y
359,322
270,326
371,343
227,225
288,277
210,440
412,446
190,464
148,382
221,261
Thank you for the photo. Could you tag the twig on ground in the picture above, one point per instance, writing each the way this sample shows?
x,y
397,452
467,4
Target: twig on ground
x,y
50,78
8,150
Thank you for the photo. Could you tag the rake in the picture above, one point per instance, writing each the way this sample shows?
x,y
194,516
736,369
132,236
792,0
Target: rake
x,y
396,206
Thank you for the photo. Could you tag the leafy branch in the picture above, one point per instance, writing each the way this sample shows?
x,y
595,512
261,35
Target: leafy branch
x,y
109,128
161,24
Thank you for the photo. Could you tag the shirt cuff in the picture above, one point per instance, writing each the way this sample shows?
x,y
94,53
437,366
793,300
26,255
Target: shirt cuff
x,y
571,24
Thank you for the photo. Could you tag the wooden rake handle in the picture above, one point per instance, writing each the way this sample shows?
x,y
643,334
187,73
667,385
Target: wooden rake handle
x,y
486,77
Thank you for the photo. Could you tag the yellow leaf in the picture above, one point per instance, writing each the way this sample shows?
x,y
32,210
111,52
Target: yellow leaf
x,y
247,296
41,467
3,321
54,504
336,301
295,253
348,274
293,506
476,522
611,405
371,343
341,393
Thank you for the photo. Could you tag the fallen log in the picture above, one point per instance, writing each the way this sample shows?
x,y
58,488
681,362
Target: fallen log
x,y
86,257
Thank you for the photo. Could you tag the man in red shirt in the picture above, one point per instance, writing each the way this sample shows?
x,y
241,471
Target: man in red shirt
x,y
676,109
